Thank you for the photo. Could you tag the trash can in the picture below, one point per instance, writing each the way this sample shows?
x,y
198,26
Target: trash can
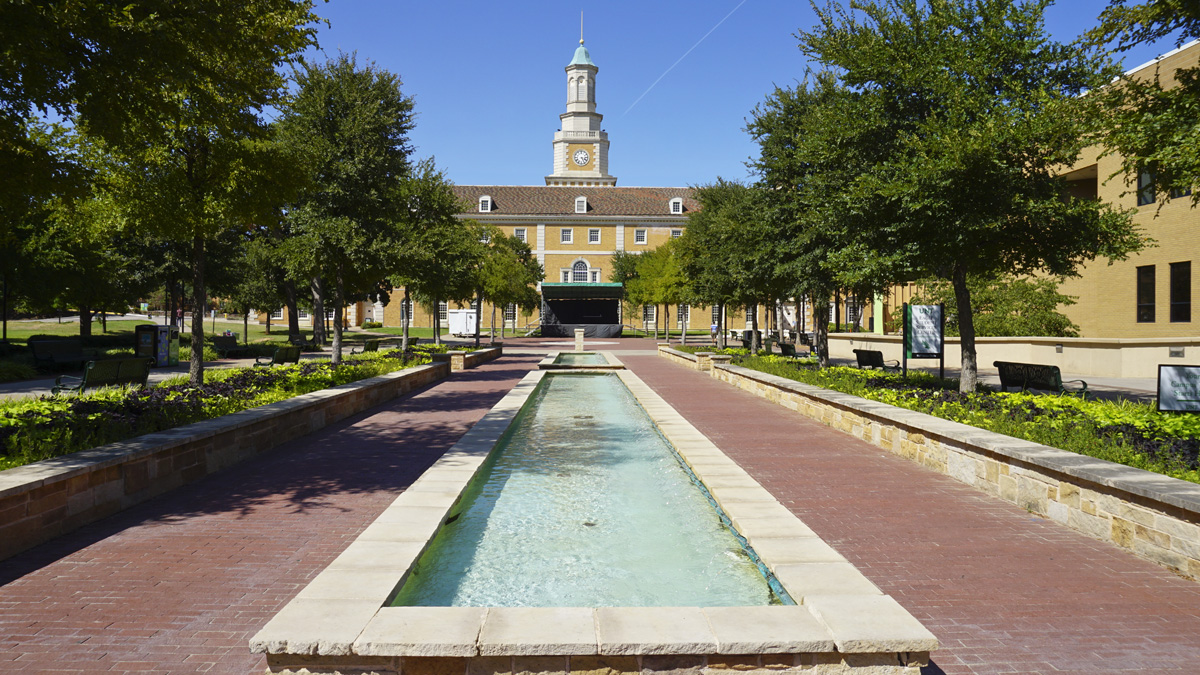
x,y
160,343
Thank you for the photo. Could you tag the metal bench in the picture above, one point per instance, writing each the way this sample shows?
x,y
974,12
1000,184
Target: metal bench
x,y
303,342
57,353
1035,376
107,373
789,350
871,358
289,354
368,346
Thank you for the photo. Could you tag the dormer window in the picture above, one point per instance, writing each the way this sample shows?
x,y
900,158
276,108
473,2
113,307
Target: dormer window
x,y
485,204
581,205
677,206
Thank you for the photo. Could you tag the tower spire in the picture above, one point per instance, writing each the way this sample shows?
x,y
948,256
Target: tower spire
x,y
580,27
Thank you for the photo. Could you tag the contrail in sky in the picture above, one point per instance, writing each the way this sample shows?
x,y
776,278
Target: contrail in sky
x,y
660,77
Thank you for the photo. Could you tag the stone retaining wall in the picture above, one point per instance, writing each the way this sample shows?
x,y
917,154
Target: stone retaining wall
x,y
45,499
1153,516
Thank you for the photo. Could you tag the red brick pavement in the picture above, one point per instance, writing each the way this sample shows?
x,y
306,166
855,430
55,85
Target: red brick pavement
x,y
180,584
1005,592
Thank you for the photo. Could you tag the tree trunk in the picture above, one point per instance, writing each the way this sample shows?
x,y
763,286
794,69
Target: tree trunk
x,y
754,346
318,315
969,377
721,325
85,323
4,302
437,322
196,367
492,331
292,304
478,318
683,315
339,294
821,332
246,327
103,321
405,319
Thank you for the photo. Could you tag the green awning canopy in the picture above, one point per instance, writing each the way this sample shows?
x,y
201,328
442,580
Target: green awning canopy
x,y
583,291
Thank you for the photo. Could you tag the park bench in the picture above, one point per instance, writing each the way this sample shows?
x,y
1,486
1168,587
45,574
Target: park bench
x,y
106,373
57,353
368,346
289,354
227,345
1035,376
871,358
788,349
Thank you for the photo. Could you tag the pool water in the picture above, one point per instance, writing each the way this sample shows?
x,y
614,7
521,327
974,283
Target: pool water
x,y
584,504
580,359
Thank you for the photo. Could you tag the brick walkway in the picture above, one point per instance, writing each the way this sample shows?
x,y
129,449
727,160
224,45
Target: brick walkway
x,y
180,584
1004,592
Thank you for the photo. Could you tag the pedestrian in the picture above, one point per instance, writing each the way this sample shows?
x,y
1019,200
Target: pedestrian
x,y
179,317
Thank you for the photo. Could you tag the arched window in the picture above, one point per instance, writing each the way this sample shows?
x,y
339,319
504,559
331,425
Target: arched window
x,y
571,89
583,90
579,272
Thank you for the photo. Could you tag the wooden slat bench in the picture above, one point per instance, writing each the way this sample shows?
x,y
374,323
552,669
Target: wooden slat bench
x,y
290,354
303,342
1035,376
57,353
106,373
871,358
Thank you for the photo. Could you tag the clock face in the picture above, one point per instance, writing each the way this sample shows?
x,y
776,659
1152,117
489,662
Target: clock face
x,y
581,157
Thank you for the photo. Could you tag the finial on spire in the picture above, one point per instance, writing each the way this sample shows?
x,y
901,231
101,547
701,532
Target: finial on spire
x,y
580,27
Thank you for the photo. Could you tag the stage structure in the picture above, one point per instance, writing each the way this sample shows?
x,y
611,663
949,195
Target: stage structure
x,y
595,307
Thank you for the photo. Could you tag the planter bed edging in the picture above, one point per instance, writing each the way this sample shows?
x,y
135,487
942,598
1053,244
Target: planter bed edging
x,y
45,499
1153,516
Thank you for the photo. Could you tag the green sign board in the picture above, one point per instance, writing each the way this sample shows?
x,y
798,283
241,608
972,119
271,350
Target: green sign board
x,y
1179,388
923,332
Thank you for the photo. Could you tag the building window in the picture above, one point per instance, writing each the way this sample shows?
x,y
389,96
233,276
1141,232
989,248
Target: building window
x,y
302,314
579,272
639,236
1176,193
1181,292
581,205
1145,294
594,236
510,313
675,234
519,233
405,310
716,315
1145,189
595,276
566,235
442,313
277,314
677,206
682,314
566,274
485,238
648,315
485,204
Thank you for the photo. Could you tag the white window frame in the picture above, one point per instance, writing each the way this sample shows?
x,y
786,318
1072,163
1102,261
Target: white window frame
x,y
302,314
581,204
716,315
595,276
510,313
676,233
519,233
594,235
566,236
443,311
277,314
682,314
649,314
566,276
676,206
639,237
485,204
580,268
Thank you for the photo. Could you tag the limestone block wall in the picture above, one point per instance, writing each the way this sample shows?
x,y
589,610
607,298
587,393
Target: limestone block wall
x,y
45,499
1152,516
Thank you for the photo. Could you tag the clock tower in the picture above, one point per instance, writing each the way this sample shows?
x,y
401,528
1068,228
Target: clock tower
x,y
581,146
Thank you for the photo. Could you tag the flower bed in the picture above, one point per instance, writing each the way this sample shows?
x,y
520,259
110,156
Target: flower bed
x,y
1133,434
36,429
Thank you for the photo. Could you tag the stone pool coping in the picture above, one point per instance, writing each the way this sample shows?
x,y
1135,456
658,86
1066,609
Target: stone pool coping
x,y
612,362
342,615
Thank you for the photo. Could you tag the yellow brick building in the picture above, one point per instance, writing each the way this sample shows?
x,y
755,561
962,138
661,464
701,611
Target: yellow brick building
x,y
1150,294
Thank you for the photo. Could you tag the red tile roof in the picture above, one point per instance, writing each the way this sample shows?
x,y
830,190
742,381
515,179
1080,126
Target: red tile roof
x,y
547,200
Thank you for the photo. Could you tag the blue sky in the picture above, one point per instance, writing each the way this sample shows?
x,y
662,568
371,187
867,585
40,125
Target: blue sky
x,y
489,84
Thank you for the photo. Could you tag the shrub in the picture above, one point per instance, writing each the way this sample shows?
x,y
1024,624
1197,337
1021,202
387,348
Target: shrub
x,y
39,428
11,371
368,325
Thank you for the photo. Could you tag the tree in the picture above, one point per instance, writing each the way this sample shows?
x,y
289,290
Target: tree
x,y
623,270
1005,306
351,123
1152,121
507,273
966,140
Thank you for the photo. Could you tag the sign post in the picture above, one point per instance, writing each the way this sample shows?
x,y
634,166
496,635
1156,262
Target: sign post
x,y
925,335
1178,388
